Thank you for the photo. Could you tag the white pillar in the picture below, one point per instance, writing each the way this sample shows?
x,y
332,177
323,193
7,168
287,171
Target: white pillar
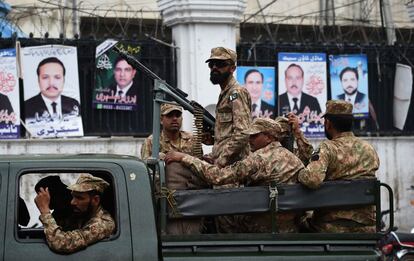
x,y
198,26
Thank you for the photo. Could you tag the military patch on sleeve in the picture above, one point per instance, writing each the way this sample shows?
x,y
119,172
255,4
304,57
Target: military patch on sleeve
x,y
233,96
315,155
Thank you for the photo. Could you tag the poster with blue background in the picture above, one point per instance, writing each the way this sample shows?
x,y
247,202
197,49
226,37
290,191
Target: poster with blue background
x,y
349,81
260,82
9,95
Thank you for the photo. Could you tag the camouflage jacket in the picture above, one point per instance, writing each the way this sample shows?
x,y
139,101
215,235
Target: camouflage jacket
x,y
271,163
344,158
304,148
232,116
98,227
183,144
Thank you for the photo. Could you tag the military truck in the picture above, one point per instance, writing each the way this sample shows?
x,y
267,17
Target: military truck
x,y
139,223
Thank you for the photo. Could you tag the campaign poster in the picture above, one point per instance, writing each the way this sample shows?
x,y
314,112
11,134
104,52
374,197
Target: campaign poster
x,y
349,81
51,91
260,82
303,89
116,84
9,95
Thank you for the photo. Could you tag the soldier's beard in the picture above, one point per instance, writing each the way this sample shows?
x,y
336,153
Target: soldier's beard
x,y
328,136
218,78
84,214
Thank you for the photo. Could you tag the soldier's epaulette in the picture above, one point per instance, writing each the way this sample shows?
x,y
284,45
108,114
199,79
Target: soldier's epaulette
x,y
233,96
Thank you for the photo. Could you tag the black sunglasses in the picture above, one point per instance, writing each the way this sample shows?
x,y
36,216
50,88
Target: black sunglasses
x,y
217,63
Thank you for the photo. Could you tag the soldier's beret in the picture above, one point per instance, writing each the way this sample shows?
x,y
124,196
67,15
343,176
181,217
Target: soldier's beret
x,y
222,53
263,125
285,127
168,107
86,182
338,108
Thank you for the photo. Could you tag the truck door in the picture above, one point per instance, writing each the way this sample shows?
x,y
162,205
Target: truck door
x,y
27,242
4,175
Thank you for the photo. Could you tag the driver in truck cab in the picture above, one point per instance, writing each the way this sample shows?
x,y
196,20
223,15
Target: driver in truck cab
x,y
90,223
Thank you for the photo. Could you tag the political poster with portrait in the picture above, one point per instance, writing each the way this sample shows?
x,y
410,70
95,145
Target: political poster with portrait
x,y
349,81
260,82
116,81
303,89
9,95
51,91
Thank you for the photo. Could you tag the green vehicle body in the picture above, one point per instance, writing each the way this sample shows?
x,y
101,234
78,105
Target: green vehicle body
x,y
138,237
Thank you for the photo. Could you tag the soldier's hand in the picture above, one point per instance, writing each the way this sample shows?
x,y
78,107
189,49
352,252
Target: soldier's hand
x,y
294,121
42,200
207,138
173,156
208,158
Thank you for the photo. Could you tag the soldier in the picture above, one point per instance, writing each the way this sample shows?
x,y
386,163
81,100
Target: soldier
x,y
342,157
304,148
269,161
232,110
171,137
90,221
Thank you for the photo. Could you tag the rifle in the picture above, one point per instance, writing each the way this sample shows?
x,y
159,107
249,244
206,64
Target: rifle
x,y
176,94
161,89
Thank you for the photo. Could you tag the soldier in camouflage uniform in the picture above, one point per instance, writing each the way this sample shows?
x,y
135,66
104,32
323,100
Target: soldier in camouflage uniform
x,y
90,222
171,137
289,125
342,157
232,110
232,116
269,161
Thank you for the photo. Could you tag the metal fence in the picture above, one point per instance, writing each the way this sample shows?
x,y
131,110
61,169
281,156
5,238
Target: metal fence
x,y
382,61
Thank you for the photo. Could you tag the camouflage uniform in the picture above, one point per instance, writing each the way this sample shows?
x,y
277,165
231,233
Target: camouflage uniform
x,y
85,231
183,144
177,176
304,148
345,157
270,163
232,116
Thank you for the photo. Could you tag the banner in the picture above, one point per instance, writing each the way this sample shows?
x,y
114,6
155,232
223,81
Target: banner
x,y
349,81
51,91
303,90
116,81
9,96
260,82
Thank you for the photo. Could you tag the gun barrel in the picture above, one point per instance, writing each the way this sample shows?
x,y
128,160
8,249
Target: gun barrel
x,y
178,95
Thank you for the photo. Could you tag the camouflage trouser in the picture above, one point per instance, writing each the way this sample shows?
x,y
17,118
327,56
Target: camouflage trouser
x,y
341,226
262,223
181,178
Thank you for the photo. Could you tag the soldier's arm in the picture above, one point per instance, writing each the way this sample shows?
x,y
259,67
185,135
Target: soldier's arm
x,y
146,148
241,121
237,172
72,241
305,148
314,174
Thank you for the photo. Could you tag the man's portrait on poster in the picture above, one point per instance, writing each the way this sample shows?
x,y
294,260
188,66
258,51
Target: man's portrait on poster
x,y
50,102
